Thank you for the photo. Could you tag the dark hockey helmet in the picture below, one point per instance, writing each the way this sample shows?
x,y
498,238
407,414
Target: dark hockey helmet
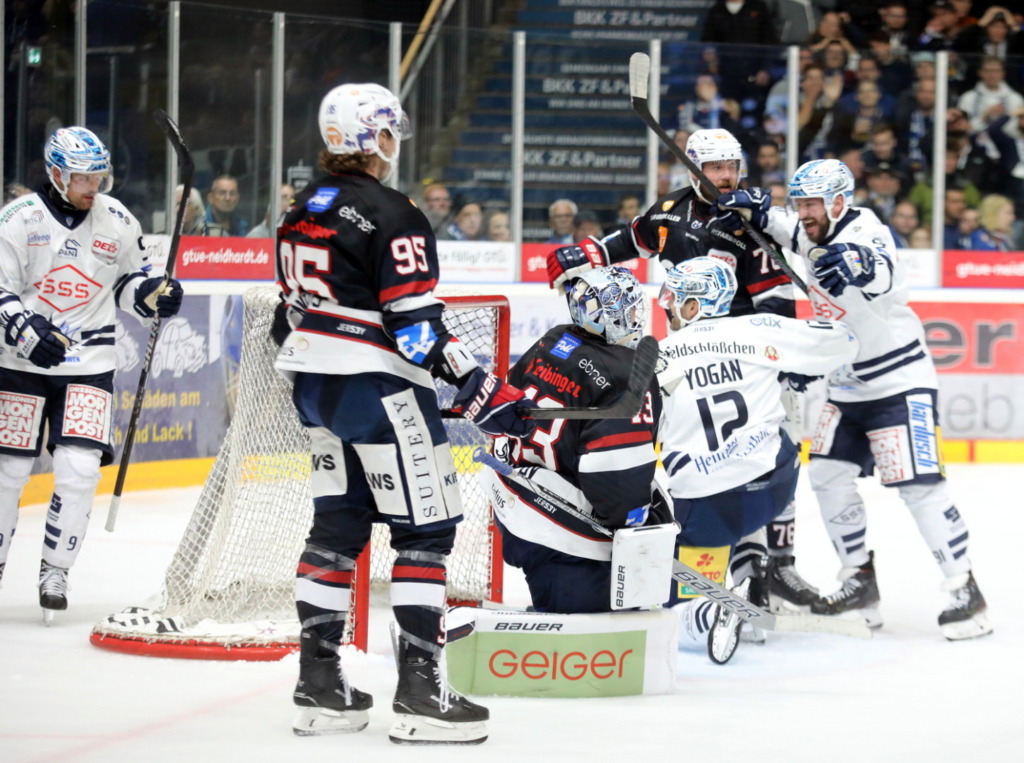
x,y
609,302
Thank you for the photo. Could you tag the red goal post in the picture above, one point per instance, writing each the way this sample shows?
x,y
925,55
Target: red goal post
x,y
228,591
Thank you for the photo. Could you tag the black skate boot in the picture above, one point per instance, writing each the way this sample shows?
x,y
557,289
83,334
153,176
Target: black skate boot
x,y
859,593
53,590
330,705
787,591
429,711
966,616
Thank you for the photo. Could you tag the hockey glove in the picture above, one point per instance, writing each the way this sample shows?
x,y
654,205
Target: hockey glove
x,y
798,382
491,404
153,297
36,339
840,265
568,261
752,205
280,328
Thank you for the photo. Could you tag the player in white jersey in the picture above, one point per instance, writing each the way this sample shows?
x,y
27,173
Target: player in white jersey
x,y
69,255
881,411
732,467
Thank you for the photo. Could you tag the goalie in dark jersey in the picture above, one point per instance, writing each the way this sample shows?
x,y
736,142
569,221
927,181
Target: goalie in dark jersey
x,y
604,467
361,335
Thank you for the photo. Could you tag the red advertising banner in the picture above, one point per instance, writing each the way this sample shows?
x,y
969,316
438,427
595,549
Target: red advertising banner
x,y
984,270
534,264
225,258
969,337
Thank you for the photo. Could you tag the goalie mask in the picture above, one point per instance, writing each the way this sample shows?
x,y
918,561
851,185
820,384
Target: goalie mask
x,y
709,281
823,179
77,151
714,146
609,302
352,118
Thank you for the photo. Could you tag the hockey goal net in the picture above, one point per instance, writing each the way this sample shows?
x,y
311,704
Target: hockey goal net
x,y
229,589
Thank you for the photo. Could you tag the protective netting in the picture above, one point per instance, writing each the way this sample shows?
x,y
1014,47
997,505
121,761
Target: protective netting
x,y
231,581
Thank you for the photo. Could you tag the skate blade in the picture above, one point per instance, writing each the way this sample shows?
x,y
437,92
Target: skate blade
x,y
319,721
871,617
751,634
419,729
780,606
973,627
48,615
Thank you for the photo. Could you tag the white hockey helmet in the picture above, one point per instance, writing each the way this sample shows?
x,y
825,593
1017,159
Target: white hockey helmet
x,y
715,145
352,118
76,150
609,302
708,280
823,179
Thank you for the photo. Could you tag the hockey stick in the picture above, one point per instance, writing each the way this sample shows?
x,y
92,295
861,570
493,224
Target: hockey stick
x,y
639,77
185,171
626,406
687,575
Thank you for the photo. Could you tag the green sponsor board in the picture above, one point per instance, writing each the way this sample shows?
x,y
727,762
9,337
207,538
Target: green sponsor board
x,y
549,664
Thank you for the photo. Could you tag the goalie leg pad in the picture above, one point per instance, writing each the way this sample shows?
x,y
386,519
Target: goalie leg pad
x,y
641,563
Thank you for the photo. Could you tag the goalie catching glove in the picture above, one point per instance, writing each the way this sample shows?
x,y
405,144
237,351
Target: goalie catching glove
x,y
36,339
840,265
566,262
491,404
155,296
751,204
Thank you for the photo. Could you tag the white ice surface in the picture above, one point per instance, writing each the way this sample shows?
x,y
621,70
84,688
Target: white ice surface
x,y
906,695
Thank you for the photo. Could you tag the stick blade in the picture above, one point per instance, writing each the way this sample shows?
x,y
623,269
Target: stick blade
x,y
170,128
639,75
822,624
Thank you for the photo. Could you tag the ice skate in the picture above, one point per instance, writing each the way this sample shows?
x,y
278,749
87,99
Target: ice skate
x,y
330,705
429,711
787,591
53,590
966,616
724,636
859,593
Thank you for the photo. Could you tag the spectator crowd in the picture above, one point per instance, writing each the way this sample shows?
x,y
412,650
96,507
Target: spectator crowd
x,y
867,96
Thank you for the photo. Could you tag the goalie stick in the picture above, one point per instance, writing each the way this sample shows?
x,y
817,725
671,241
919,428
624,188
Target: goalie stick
x,y
687,575
626,406
639,78
186,168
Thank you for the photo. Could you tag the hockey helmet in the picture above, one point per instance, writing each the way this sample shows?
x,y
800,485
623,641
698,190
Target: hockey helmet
x,y
823,179
609,302
708,280
715,145
77,150
352,118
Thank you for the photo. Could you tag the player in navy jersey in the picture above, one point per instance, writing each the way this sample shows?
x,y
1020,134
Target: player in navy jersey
x,y
362,337
69,255
682,225
604,467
